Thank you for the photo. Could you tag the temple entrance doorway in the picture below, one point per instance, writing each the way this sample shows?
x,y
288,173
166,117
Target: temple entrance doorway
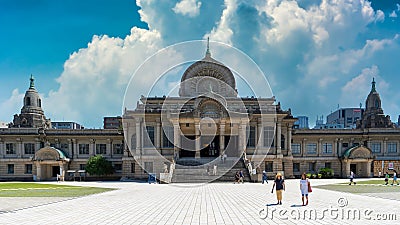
x,y
353,167
55,171
209,146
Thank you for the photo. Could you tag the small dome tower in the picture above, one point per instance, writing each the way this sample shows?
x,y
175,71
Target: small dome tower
x,y
32,114
373,116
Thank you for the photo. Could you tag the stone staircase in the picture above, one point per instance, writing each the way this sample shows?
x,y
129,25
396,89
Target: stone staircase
x,y
190,170
230,174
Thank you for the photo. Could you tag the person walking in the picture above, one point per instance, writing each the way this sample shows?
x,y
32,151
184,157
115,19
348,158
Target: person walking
x,y
304,185
241,176
279,184
395,177
215,170
237,177
352,178
264,177
387,178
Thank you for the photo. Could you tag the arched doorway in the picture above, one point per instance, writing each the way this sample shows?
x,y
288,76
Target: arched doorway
x,y
359,160
49,163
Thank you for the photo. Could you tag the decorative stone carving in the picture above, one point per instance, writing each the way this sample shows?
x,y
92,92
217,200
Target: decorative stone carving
x,y
47,154
360,153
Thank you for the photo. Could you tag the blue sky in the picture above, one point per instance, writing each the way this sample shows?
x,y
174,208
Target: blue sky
x,y
315,54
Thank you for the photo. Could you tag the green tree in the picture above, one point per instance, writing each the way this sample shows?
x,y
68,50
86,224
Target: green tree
x,y
98,165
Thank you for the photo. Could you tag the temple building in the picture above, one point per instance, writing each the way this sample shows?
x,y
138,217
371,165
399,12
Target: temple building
x,y
207,121
207,125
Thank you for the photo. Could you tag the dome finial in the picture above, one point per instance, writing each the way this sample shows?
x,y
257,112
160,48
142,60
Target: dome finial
x,y
373,89
208,54
32,82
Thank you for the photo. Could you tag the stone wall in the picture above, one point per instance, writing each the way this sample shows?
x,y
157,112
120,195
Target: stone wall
x,y
377,164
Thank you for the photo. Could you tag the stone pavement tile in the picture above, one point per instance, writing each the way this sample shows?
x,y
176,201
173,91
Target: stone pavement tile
x,y
219,203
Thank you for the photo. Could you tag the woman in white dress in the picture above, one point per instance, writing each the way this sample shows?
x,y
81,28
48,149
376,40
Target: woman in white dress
x,y
304,188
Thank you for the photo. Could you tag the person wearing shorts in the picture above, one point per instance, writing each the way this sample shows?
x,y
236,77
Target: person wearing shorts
x,y
279,183
395,178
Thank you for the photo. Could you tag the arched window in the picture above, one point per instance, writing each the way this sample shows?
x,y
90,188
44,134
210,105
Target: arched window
x,y
39,102
28,101
283,142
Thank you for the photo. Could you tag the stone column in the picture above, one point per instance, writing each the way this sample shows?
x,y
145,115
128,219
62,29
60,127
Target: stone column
x,y
177,138
109,147
158,135
92,147
319,147
19,150
347,169
38,171
335,147
303,147
351,144
340,147
138,135
242,138
222,137
385,146
75,149
278,138
260,136
70,148
197,140
289,138
126,150
61,164
369,168
2,148
37,144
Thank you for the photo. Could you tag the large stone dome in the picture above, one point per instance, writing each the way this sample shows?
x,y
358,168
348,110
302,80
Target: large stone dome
x,y
207,75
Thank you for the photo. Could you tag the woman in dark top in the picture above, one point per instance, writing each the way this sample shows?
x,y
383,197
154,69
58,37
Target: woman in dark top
x,y
237,177
279,183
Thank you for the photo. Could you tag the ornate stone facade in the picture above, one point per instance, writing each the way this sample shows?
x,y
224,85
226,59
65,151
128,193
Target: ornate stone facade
x,y
205,121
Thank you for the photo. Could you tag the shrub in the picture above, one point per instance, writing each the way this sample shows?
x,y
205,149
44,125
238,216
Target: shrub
x,y
308,175
326,172
98,165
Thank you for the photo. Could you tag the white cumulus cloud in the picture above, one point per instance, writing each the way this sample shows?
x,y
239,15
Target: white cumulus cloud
x,y
189,8
393,14
12,105
359,86
94,79
312,51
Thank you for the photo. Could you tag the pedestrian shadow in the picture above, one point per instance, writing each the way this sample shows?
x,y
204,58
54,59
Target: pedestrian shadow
x,y
296,206
272,204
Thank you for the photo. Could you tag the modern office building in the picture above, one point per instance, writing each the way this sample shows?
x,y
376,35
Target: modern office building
x,y
301,123
345,117
66,125
114,122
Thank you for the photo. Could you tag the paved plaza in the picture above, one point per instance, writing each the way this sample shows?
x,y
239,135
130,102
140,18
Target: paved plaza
x,y
215,203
